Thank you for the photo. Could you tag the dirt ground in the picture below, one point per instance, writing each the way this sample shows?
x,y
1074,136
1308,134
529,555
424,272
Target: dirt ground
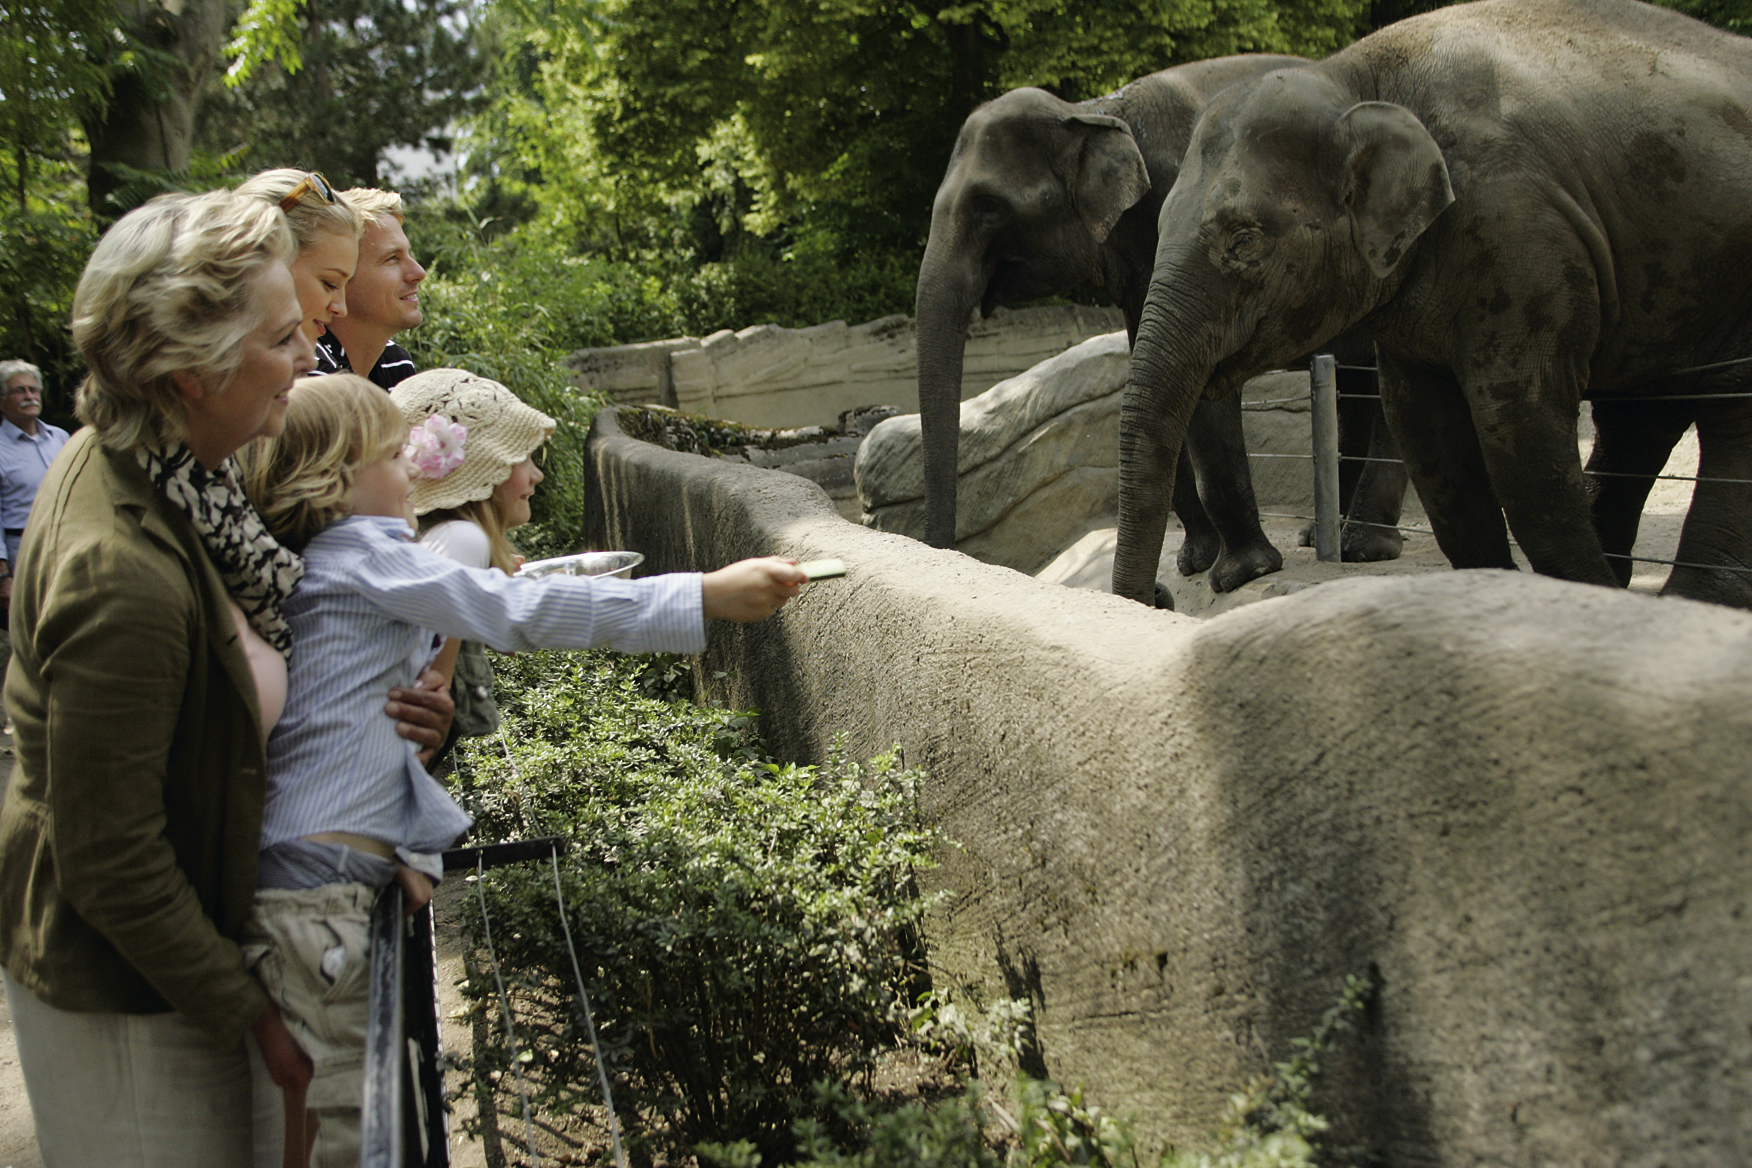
x,y
1658,540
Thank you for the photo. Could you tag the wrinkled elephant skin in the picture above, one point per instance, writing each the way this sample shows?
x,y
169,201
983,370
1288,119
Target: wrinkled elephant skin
x,y
1528,203
1042,196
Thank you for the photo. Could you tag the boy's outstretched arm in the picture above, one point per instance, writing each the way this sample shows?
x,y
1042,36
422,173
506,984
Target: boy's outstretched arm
x,y
750,590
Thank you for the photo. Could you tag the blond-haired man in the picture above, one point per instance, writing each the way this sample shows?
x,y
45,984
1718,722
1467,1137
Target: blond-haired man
x,y
382,299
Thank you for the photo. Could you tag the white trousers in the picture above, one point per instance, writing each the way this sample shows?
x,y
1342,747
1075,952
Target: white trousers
x,y
142,1091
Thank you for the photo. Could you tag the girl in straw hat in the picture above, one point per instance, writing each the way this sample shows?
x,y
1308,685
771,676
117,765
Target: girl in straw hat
x,y
466,509
349,807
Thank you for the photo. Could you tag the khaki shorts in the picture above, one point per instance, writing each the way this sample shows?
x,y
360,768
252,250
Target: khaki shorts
x,y
311,949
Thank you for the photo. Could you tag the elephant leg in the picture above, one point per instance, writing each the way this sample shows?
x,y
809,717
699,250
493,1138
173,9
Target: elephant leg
x,y
1632,441
1530,450
1718,526
1218,449
1202,545
1371,526
1446,464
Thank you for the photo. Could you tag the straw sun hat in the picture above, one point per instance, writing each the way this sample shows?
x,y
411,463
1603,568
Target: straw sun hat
x,y
502,432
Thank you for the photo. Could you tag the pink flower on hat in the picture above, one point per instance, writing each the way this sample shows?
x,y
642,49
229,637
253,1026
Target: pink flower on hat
x,y
434,448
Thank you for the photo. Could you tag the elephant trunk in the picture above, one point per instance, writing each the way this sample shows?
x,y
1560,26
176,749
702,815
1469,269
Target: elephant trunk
x,y
947,294
1170,366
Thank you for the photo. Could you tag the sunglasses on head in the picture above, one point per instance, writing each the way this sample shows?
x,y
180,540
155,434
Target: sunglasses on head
x,y
310,182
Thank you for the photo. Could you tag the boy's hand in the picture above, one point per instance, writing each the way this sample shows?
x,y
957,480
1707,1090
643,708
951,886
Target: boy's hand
x,y
416,888
288,1066
750,590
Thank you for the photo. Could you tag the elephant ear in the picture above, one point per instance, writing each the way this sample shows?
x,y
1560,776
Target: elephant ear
x,y
1396,181
1108,173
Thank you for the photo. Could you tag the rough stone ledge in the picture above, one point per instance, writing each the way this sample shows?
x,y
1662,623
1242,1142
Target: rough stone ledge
x,y
1524,802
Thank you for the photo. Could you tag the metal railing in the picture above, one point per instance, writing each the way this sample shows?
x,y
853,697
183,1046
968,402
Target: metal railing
x,y
1326,457
404,1117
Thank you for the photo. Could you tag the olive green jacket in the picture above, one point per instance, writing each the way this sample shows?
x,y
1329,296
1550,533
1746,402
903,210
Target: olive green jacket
x,y
131,825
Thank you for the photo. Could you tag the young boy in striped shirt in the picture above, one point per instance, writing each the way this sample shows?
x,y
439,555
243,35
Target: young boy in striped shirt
x,y
349,807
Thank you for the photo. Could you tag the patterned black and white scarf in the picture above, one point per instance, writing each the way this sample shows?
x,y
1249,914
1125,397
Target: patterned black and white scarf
x,y
259,573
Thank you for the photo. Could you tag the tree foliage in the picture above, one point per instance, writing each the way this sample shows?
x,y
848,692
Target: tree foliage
x,y
825,125
717,162
348,82
51,76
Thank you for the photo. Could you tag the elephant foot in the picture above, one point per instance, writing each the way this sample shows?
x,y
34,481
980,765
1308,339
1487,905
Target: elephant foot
x,y
1368,543
1164,598
1199,551
1236,567
1359,544
1732,589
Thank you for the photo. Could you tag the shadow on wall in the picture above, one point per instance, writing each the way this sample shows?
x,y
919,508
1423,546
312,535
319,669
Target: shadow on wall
x,y
1523,801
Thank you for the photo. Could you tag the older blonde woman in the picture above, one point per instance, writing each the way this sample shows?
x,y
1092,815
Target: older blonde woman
x,y
327,228
148,665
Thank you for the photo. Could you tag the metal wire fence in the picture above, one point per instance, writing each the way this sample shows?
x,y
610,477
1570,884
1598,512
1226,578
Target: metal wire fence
x,y
1326,457
404,1119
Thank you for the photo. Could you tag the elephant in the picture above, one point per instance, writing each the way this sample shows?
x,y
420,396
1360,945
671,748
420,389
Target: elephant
x,y
1528,203
1042,196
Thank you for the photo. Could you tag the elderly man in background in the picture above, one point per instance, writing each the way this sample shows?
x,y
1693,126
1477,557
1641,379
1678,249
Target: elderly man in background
x,y
27,446
382,299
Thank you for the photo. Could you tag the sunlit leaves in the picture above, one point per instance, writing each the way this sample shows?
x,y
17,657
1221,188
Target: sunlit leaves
x,y
268,32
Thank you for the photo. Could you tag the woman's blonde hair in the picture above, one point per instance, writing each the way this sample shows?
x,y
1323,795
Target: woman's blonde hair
x,y
312,215
171,288
302,481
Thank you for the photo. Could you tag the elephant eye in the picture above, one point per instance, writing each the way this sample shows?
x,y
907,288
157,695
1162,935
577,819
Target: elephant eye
x,y
986,206
1247,245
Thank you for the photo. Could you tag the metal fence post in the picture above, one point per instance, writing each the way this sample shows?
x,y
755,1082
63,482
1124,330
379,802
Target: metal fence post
x,y
381,1133
1323,388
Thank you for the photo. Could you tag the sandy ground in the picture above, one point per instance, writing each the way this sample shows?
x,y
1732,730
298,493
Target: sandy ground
x,y
1088,564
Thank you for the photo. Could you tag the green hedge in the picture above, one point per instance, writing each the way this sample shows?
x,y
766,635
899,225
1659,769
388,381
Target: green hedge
x,y
748,928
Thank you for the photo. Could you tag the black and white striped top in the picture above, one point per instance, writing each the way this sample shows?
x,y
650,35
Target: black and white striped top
x,y
393,368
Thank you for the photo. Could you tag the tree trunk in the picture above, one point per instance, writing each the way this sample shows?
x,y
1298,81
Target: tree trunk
x,y
149,122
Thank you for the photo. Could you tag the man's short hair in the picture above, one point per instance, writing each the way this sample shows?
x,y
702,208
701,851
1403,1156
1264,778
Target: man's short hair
x,y
11,369
374,206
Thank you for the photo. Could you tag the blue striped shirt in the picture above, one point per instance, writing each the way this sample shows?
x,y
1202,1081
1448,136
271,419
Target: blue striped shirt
x,y
366,618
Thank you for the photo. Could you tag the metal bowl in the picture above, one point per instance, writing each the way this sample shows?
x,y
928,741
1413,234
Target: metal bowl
x,y
586,564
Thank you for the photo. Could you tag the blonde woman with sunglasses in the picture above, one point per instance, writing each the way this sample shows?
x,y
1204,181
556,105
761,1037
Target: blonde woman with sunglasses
x,y
327,228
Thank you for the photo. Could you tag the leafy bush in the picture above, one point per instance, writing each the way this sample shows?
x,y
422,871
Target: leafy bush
x,y
1269,1125
747,928
43,247
796,291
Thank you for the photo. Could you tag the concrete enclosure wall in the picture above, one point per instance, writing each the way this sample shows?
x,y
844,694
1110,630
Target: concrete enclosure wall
x,y
771,376
1524,802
